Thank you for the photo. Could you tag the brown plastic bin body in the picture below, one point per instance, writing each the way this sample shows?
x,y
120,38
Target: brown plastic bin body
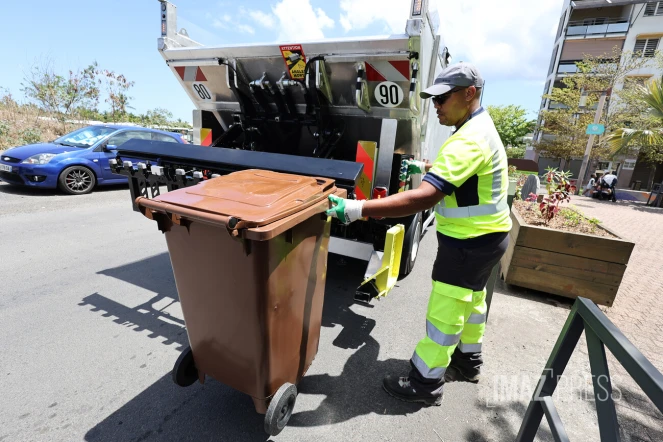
x,y
251,295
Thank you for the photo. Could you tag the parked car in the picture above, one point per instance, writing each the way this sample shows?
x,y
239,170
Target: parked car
x,y
75,162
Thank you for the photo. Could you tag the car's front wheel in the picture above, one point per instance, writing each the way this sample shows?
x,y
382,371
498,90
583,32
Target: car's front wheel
x,y
77,180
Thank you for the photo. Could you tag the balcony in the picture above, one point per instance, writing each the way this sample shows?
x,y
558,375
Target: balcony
x,y
597,27
570,67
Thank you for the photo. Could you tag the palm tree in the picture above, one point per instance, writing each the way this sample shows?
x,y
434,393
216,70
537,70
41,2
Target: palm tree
x,y
621,139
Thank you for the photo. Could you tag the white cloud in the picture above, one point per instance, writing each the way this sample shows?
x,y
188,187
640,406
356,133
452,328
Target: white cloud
x,y
358,14
323,20
509,39
266,20
297,21
245,28
227,22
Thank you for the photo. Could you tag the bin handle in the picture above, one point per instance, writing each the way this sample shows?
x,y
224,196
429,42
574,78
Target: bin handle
x,y
361,89
413,89
185,216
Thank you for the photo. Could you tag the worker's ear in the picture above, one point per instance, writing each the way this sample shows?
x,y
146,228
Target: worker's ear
x,y
470,93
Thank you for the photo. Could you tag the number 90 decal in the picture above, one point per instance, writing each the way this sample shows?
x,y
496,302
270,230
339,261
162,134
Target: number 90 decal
x,y
388,94
201,91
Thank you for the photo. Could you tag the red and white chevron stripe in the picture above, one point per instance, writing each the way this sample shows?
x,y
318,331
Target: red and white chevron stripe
x,y
388,70
190,73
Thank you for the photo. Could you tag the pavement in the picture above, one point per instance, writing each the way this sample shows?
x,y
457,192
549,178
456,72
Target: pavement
x,y
92,326
637,308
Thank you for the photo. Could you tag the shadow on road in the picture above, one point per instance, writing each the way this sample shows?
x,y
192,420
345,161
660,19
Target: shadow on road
x,y
167,412
12,189
640,206
154,274
501,428
637,417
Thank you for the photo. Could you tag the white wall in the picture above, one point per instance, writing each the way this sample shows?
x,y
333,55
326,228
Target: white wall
x,y
644,25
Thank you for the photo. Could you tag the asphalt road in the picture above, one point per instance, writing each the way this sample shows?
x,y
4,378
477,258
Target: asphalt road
x,y
91,327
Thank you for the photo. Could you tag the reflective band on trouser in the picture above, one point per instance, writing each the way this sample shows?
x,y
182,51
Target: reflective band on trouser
x,y
467,212
439,337
447,311
475,325
425,370
476,318
469,348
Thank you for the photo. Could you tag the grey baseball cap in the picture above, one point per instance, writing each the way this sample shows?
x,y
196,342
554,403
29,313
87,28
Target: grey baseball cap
x,y
460,74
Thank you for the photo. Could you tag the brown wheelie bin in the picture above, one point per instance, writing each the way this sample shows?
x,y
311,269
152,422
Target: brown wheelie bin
x,y
249,256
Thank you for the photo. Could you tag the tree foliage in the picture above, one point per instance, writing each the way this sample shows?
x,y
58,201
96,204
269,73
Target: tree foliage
x,y
117,87
62,96
511,123
645,135
78,95
564,125
54,104
515,152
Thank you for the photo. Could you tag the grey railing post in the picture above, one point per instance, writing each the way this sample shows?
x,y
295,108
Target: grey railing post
x,y
600,333
605,405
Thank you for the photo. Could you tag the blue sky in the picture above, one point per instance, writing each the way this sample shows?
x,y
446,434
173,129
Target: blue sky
x,y
511,48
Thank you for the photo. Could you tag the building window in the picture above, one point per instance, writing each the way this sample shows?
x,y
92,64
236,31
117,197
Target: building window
x,y
630,82
567,67
629,164
654,8
646,47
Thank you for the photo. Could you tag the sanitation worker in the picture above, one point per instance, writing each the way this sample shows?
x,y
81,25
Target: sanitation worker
x,y
467,184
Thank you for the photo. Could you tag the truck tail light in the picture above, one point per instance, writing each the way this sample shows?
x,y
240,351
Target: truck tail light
x,y
379,192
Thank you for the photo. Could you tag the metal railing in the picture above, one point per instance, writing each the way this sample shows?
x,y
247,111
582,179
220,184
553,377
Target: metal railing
x,y
597,27
600,332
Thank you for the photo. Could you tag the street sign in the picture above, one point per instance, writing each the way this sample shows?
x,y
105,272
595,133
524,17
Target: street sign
x,y
595,129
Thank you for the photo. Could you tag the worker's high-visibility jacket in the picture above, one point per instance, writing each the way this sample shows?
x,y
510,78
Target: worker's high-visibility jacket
x,y
472,171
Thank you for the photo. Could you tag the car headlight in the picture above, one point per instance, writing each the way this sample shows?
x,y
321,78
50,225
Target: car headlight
x,y
41,158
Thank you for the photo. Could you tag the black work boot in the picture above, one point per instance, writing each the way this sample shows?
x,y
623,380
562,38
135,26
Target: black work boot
x,y
464,367
456,374
400,388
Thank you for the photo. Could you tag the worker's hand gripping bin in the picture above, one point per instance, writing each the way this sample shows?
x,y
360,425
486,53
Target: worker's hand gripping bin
x,y
249,255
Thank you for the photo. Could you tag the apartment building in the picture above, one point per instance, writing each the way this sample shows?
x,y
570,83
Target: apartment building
x,y
595,27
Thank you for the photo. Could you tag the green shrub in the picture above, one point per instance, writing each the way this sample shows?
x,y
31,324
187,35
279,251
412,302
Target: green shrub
x,y
31,135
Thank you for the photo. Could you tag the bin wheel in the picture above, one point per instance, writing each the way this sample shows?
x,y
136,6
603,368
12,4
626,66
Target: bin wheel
x,y
411,242
185,372
280,409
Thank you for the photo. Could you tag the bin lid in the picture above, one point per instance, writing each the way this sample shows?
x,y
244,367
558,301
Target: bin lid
x,y
256,197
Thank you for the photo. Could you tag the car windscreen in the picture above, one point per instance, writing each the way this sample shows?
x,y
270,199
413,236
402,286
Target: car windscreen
x,y
85,137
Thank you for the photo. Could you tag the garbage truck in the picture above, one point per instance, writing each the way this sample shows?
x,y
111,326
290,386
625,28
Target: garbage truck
x,y
347,109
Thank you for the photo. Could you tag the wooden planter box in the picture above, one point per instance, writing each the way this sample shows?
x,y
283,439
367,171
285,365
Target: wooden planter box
x,y
564,263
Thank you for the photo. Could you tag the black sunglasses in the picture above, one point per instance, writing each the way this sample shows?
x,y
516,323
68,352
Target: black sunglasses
x,y
441,99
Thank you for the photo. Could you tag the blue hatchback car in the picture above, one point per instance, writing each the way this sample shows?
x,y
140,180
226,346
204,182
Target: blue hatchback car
x,y
75,162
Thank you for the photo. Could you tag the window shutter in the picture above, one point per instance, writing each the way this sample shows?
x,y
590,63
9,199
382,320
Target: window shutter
x,y
659,11
650,9
639,47
652,45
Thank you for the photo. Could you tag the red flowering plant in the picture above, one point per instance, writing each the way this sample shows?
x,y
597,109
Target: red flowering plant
x,y
559,191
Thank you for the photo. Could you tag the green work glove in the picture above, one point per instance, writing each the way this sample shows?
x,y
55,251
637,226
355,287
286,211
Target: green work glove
x,y
345,210
411,167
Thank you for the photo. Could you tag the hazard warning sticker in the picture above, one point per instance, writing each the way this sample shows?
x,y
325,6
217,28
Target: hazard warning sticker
x,y
295,60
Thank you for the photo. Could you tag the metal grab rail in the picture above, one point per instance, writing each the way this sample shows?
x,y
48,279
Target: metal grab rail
x,y
600,332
